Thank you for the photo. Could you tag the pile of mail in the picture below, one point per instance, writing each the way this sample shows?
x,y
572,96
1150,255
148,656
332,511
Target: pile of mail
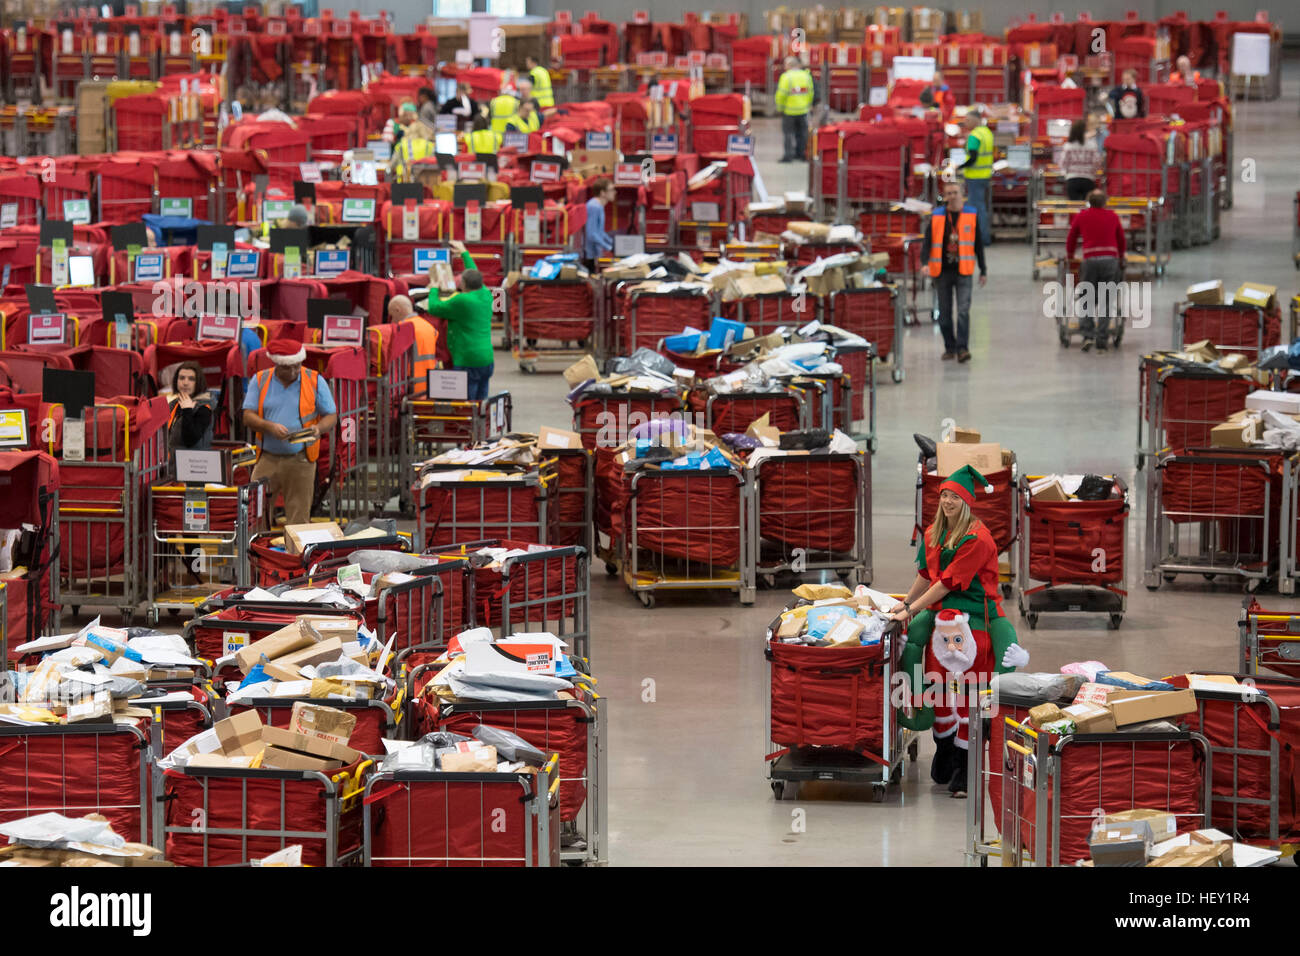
x,y
93,675
487,750
844,270
521,667
830,615
314,656
52,839
762,440
315,740
674,444
644,371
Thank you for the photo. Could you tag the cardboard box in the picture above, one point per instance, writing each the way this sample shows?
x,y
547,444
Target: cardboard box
x,y
846,632
244,761
298,536
747,285
1240,434
288,740
1163,825
1091,718
240,734
1233,362
1048,491
831,280
1094,693
1256,294
581,370
548,437
289,666
984,457
968,436
1121,844
596,161
764,433
481,760
317,720
273,758
1044,714
284,641
1195,856
1206,293
815,231
1138,706
791,626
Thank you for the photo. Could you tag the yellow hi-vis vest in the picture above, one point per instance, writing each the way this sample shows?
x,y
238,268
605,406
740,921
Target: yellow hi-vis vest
x,y
484,141
794,92
501,109
530,125
541,78
410,150
982,168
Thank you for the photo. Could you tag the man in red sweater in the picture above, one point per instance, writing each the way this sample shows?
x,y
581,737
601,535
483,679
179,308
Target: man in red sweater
x,y
1101,235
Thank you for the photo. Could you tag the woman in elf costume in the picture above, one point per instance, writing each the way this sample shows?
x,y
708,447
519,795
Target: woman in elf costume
x,y
957,569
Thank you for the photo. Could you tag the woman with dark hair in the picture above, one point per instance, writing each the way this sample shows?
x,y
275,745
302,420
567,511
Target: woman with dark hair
x,y
1079,162
190,423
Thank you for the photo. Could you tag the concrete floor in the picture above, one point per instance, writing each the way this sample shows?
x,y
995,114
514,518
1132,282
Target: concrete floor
x,y
687,774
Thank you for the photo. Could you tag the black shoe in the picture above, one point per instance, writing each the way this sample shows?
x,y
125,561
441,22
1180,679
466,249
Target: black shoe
x,y
948,356
785,159
957,785
1101,345
1087,346
963,356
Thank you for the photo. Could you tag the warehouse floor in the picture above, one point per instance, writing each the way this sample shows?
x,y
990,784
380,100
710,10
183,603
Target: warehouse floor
x,y
687,773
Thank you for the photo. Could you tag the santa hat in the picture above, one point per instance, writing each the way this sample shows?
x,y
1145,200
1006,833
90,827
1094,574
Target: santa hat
x,y
963,483
951,617
286,351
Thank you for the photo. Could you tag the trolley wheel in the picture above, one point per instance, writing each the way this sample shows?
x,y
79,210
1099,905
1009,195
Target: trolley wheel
x,y
1169,578
128,619
611,568
873,443
912,749
1153,587
574,862
151,617
1115,620
1252,585
778,789
897,374
647,598
1119,336
878,791
528,368
768,580
1032,621
1035,273
1208,577
1006,592
843,574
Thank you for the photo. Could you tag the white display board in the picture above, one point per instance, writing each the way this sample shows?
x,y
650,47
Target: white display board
x,y
914,68
1251,54
483,42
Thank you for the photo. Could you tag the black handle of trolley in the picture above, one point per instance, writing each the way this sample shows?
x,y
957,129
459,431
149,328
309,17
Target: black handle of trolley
x,y
1221,456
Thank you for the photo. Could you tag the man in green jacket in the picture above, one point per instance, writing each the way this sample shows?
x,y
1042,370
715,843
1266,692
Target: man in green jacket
x,y
469,325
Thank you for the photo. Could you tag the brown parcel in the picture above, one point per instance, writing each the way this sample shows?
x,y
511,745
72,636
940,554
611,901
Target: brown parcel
x,y
1233,434
284,641
553,438
273,758
482,760
1044,714
304,743
762,432
1052,491
984,457
239,735
317,720
1163,825
1206,293
968,436
581,370
293,543
1091,718
1139,706
289,666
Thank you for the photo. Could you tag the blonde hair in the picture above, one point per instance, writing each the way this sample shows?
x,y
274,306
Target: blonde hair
x,y
941,534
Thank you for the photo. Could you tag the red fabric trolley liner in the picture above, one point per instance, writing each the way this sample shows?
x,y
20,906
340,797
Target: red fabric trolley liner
x,y
1076,549
725,413
218,816
574,494
568,728
559,310
645,316
860,162
685,530
606,420
78,769
819,504
996,510
176,720
1220,511
1184,403
430,818
32,482
450,510
1229,328
1053,817
767,312
876,314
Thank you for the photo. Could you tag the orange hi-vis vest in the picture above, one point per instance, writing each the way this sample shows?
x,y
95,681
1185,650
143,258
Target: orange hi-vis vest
x,y
426,353
966,222
306,404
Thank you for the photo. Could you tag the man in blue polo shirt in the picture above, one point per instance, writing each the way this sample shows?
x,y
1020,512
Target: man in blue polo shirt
x,y
278,403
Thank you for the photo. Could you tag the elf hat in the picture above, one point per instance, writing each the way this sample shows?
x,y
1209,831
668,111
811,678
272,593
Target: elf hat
x,y
963,483
286,351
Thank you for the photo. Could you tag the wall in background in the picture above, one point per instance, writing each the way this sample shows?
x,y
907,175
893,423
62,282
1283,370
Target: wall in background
x,y
997,13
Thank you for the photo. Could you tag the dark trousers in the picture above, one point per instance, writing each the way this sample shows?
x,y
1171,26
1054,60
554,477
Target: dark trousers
x,y
478,379
795,132
949,283
1076,189
1103,269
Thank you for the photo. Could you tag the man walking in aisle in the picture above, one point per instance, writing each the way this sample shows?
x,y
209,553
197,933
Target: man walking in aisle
x,y
954,244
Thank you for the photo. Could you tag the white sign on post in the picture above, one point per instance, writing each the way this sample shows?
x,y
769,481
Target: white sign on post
x,y
199,467
342,330
1251,54
448,384
914,68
